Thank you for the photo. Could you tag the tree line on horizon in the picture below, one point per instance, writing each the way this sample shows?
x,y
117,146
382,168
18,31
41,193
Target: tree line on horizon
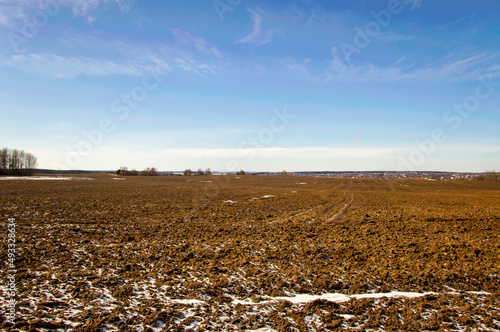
x,y
149,171
17,162
489,176
189,172
152,171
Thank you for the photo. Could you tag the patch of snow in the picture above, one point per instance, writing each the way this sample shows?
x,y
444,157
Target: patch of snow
x,y
335,297
305,298
230,201
410,295
160,326
479,293
249,302
43,178
187,301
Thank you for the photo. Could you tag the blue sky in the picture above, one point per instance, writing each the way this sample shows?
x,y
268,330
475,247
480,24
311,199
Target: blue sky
x,y
228,84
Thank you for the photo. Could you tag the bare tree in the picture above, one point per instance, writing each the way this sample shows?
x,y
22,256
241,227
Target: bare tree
x,y
17,162
188,172
21,161
14,159
489,176
123,170
31,163
208,171
200,172
4,159
149,172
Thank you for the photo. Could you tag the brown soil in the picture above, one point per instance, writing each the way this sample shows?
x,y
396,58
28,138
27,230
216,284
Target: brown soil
x,y
181,253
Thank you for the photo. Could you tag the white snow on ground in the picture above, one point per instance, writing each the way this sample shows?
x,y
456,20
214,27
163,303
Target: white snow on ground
x,y
337,297
230,201
189,301
410,295
479,293
301,183
118,178
267,196
160,326
42,178
305,298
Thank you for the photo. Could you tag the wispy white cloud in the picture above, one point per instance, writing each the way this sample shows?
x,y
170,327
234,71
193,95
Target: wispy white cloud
x,y
277,152
400,60
257,37
86,8
50,65
194,54
467,69
185,53
318,153
195,42
313,158
15,12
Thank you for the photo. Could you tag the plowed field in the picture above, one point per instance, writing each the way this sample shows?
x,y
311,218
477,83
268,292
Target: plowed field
x,y
217,253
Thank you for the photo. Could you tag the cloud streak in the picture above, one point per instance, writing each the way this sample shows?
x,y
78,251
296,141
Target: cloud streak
x,y
13,13
463,70
277,152
256,37
54,66
186,52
